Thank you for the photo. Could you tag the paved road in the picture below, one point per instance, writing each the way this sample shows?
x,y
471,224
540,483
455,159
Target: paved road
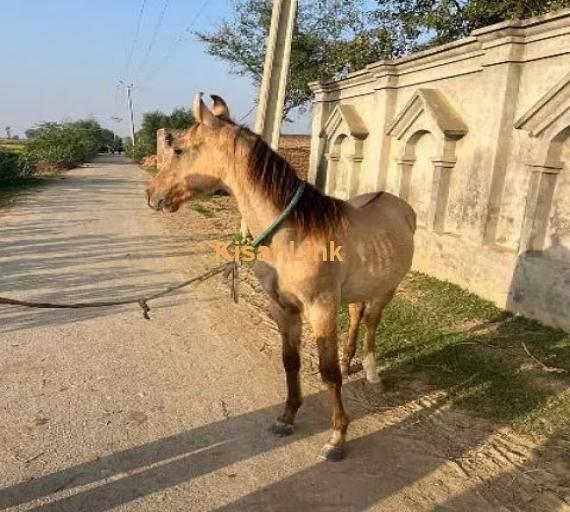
x,y
103,410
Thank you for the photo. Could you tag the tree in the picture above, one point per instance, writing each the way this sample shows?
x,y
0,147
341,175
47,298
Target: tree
x,y
179,119
334,37
419,24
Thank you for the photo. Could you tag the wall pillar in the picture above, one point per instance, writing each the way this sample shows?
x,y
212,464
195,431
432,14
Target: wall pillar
x,y
504,51
332,171
385,91
354,174
539,201
160,147
317,164
405,166
440,193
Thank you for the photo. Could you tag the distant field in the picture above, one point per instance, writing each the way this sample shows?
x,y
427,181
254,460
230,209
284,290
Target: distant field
x,y
12,147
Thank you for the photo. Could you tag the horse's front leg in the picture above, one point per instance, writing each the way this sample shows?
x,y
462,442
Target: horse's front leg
x,y
288,320
322,315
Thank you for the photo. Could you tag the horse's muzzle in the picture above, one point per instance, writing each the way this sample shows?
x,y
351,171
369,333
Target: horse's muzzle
x,y
159,202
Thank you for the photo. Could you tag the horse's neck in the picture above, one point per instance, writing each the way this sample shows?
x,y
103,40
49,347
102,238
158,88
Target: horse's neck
x,y
254,207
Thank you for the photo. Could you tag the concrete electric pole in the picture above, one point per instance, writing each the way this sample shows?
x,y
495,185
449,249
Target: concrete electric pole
x,y
275,72
129,88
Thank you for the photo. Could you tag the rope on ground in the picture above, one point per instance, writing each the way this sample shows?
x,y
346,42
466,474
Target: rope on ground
x,y
546,368
229,269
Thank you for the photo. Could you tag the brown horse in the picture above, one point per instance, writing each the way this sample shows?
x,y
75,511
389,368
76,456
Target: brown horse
x,y
375,233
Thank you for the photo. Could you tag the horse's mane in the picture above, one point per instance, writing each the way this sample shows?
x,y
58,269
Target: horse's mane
x,y
315,214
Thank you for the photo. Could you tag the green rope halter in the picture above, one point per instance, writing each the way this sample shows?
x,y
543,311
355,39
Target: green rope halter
x,y
276,224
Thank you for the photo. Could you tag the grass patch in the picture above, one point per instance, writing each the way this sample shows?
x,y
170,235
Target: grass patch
x,y
459,343
200,208
151,170
11,190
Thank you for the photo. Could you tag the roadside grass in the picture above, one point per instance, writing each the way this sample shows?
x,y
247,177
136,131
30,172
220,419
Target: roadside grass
x,y
11,190
151,170
204,210
456,342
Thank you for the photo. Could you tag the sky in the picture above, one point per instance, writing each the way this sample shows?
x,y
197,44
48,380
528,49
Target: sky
x,y
63,60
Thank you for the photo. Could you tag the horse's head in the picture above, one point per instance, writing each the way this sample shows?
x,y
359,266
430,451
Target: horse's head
x,y
195,160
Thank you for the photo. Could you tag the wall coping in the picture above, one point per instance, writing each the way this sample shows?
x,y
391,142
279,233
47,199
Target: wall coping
x,y
480,40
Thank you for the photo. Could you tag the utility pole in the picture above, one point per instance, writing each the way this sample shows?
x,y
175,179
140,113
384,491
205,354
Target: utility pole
x,y
269,115
274,82
129,88
275,72
130,107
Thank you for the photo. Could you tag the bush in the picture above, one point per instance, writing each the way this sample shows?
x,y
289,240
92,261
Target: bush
x,y
9,166
64,146
14,166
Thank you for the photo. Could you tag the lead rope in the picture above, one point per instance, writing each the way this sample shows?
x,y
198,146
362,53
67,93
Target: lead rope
x,y
230,270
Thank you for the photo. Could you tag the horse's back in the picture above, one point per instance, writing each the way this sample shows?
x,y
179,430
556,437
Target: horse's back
x,y
382,207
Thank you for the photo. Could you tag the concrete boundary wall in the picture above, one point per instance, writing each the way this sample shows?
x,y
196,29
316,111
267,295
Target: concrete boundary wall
x,y
475,134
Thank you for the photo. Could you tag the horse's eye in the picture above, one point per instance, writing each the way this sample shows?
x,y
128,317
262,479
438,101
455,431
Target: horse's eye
x,y
178,151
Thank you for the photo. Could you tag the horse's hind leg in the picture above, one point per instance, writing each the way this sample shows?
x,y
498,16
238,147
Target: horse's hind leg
x,y
289,322
355,312
322,314
372,318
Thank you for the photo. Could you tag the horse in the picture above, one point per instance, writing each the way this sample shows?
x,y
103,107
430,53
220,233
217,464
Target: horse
x,y
375,232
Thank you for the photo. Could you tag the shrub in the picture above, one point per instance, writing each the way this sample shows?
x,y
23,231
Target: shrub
x,y
63,146
14,166
9,166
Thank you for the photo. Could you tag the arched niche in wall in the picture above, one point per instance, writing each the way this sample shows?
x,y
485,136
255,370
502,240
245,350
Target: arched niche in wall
x,y
345,133
548,125
428,114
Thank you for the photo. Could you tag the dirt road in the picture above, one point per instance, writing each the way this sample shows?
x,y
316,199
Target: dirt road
x,y
101,409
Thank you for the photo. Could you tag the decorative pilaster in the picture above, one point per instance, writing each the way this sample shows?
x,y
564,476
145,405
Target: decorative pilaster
x,y
539,201
440,194
405,166
332,171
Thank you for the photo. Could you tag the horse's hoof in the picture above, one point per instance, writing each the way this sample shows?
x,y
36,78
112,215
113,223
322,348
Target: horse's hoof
x,y
344,371
332,452
281,429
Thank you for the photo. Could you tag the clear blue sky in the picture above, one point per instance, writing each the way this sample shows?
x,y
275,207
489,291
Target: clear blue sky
x,y
62,59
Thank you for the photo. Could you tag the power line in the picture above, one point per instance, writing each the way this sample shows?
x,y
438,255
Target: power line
x,y
135,38
248,113
176,42
155,33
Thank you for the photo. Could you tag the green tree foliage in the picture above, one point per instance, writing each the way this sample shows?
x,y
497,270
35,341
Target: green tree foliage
x,y
418,24
333,37
179,119
65,145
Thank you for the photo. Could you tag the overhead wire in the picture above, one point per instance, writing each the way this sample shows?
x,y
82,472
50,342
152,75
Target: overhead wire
x,y
180,39
136,37
154,36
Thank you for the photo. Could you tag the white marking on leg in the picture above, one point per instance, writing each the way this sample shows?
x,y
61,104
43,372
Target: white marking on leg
x,y
369,365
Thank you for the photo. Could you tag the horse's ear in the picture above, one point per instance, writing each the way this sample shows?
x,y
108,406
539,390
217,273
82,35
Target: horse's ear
x,y
220,109
202,113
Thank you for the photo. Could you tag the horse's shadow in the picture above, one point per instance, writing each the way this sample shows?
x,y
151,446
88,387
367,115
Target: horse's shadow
x,y
124,476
